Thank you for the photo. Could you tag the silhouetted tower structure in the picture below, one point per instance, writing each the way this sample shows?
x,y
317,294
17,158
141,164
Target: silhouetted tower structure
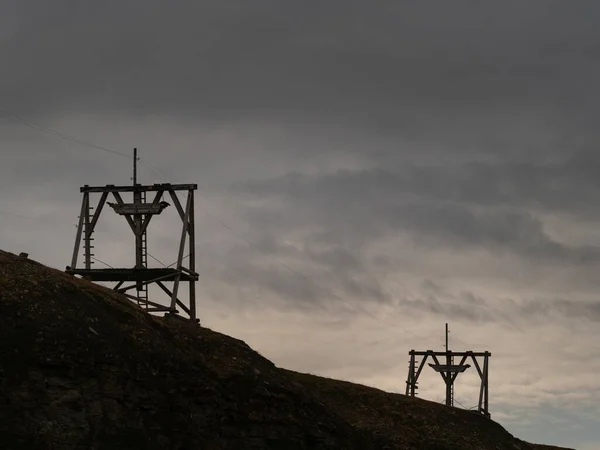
x,y
449,372
138,215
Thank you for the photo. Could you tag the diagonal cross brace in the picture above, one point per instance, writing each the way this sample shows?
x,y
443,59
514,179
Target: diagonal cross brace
x,y
156,201
130,221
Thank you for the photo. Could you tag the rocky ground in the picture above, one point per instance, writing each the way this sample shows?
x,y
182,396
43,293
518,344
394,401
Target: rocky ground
x,y
83,368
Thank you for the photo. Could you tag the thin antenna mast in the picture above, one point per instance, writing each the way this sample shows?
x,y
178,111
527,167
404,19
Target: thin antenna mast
x,y
135,159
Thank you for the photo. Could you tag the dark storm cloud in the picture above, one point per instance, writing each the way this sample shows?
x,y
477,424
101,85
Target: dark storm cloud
x,y
383,64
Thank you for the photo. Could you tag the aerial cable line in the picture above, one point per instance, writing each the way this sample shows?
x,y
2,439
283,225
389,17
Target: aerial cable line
x,y
102,262
157,260
6,213
59,134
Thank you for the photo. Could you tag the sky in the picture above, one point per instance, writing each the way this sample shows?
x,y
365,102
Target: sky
x,y
367,172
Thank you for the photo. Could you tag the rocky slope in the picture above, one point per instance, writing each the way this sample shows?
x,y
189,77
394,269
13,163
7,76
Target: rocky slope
x,y
83,368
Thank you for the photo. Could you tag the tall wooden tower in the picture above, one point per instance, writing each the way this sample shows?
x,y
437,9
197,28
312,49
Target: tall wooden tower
x,y
138,213
449,372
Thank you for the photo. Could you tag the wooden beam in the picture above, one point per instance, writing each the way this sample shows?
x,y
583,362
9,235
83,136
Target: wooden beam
x,y
130,221
486,388
438,363
78,235
156,201
144,283
169,293
410,383
139,188
476,363
451,353
184,233
87,235
190,272
462,361
161,309
421,365
98,210
146,302
177,204
184,307
192,257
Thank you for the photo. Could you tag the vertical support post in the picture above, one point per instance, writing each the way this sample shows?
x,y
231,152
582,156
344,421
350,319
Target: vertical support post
x,y
87,231
481,408
78,236
448,381
192,253
486,386
448,377
410,383
137,219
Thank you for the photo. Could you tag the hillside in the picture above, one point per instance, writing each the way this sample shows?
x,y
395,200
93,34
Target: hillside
x,y
83,368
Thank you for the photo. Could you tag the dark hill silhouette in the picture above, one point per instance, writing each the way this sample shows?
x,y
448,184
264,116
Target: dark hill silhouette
x,y
81,367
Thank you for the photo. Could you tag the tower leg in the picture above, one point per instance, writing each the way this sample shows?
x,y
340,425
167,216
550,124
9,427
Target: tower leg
x,y
192,261
486,386
448,377
87,232
410,382
78,236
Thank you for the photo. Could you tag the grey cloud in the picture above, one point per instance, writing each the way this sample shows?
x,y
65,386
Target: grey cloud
x,y
333,257
299,277
569,186
291,289
437,205
450,310
466,306
457,226
561,308
384,65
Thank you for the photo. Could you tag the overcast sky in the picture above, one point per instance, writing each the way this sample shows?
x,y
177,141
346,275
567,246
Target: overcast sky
x,y
367,171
